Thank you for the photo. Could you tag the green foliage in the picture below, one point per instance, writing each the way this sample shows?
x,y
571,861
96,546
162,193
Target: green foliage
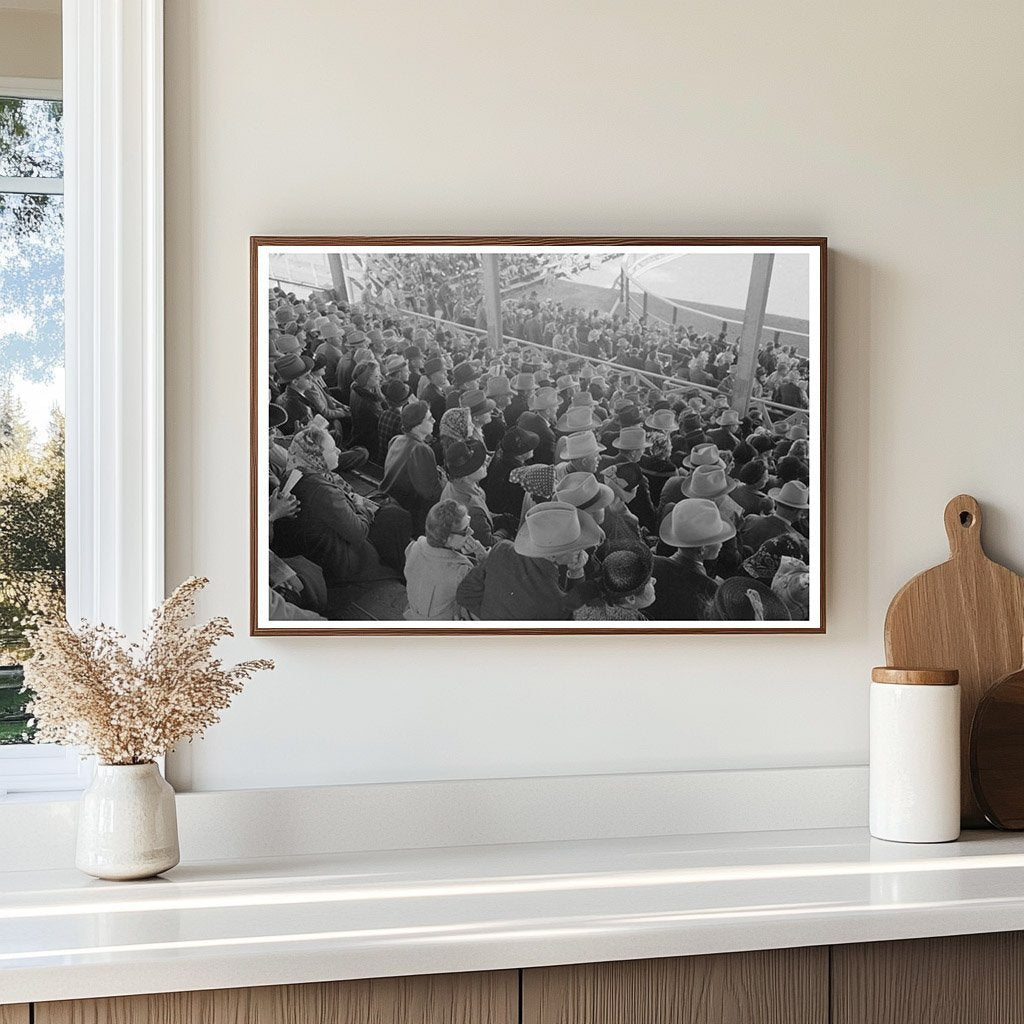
x,y
14,727
32,545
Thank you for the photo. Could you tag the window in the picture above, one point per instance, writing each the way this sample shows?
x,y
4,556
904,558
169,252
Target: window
x,y
32,531
113,331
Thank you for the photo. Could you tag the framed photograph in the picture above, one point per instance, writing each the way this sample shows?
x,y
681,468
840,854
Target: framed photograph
x,y
537,435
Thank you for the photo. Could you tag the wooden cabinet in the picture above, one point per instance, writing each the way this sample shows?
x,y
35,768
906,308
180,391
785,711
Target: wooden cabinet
x,y
967,979
481,998
777,986
962,979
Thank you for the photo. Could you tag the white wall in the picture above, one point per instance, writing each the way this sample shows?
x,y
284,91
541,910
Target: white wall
x,y
894,129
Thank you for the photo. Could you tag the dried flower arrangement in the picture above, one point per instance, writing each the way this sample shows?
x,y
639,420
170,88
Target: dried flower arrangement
x,y
130,703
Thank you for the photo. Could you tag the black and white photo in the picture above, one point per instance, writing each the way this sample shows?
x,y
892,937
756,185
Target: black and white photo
x,y
576,436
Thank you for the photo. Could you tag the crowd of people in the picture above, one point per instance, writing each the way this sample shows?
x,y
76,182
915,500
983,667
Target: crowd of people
x,y
448,284
545,478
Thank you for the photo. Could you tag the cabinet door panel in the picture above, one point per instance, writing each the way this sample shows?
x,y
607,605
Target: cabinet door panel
x,y
481,998
14,1014
778,986
959,979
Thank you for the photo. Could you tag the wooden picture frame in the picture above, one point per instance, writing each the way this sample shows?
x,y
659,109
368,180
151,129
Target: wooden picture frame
x,y
746,336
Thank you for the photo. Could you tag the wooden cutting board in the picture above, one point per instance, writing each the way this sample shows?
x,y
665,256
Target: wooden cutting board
x,y
967,614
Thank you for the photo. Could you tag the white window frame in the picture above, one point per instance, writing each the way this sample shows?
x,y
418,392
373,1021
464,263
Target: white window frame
x,y
114,264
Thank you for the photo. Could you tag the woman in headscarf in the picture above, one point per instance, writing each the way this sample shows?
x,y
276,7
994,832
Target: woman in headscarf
x,y
456,425
332,524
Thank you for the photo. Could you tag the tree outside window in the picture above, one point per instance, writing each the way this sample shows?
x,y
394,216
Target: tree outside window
x,y
32,542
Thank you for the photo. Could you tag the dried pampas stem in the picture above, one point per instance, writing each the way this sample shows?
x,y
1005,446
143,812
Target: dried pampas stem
x,y
129,703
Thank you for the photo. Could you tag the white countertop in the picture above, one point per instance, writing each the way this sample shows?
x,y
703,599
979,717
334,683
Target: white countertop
x,y
224,924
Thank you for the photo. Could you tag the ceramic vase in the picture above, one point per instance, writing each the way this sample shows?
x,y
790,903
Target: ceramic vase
x,y
127,825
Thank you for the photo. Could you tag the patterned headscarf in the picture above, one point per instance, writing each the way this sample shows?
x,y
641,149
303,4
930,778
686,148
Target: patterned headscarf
x,y
537,480
306,451
763,564
661,447
456,424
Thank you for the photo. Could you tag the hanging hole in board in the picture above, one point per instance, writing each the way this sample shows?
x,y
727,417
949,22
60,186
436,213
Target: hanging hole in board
x,y
966,519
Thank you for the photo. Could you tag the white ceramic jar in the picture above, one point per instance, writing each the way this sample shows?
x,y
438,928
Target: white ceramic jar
x,y
127,823
915,755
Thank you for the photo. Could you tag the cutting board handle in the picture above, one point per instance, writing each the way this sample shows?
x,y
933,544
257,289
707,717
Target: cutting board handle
x,y
963,527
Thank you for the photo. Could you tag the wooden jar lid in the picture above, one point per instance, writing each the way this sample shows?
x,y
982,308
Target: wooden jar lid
x,y
916,676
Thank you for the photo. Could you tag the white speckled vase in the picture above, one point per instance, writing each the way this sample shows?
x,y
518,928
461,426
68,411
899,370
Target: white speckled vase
x,y
127,825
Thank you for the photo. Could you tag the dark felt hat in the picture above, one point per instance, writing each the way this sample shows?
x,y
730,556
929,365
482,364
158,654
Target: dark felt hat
x,y
464,457
476,402
466,371
413,414
292,366
396,391
631,416
518,441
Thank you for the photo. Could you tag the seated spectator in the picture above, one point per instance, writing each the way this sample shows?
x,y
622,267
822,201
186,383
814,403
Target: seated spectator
x,y
481,409
332,524
750,494
580,453
621,527
436,563
685,592
726,435
631,444
540,420
583,491
411,475
466,462
366,405
504,496
626,587
433,387
524,580
657,466
456,425
791,502
390,425
524,385
500,392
